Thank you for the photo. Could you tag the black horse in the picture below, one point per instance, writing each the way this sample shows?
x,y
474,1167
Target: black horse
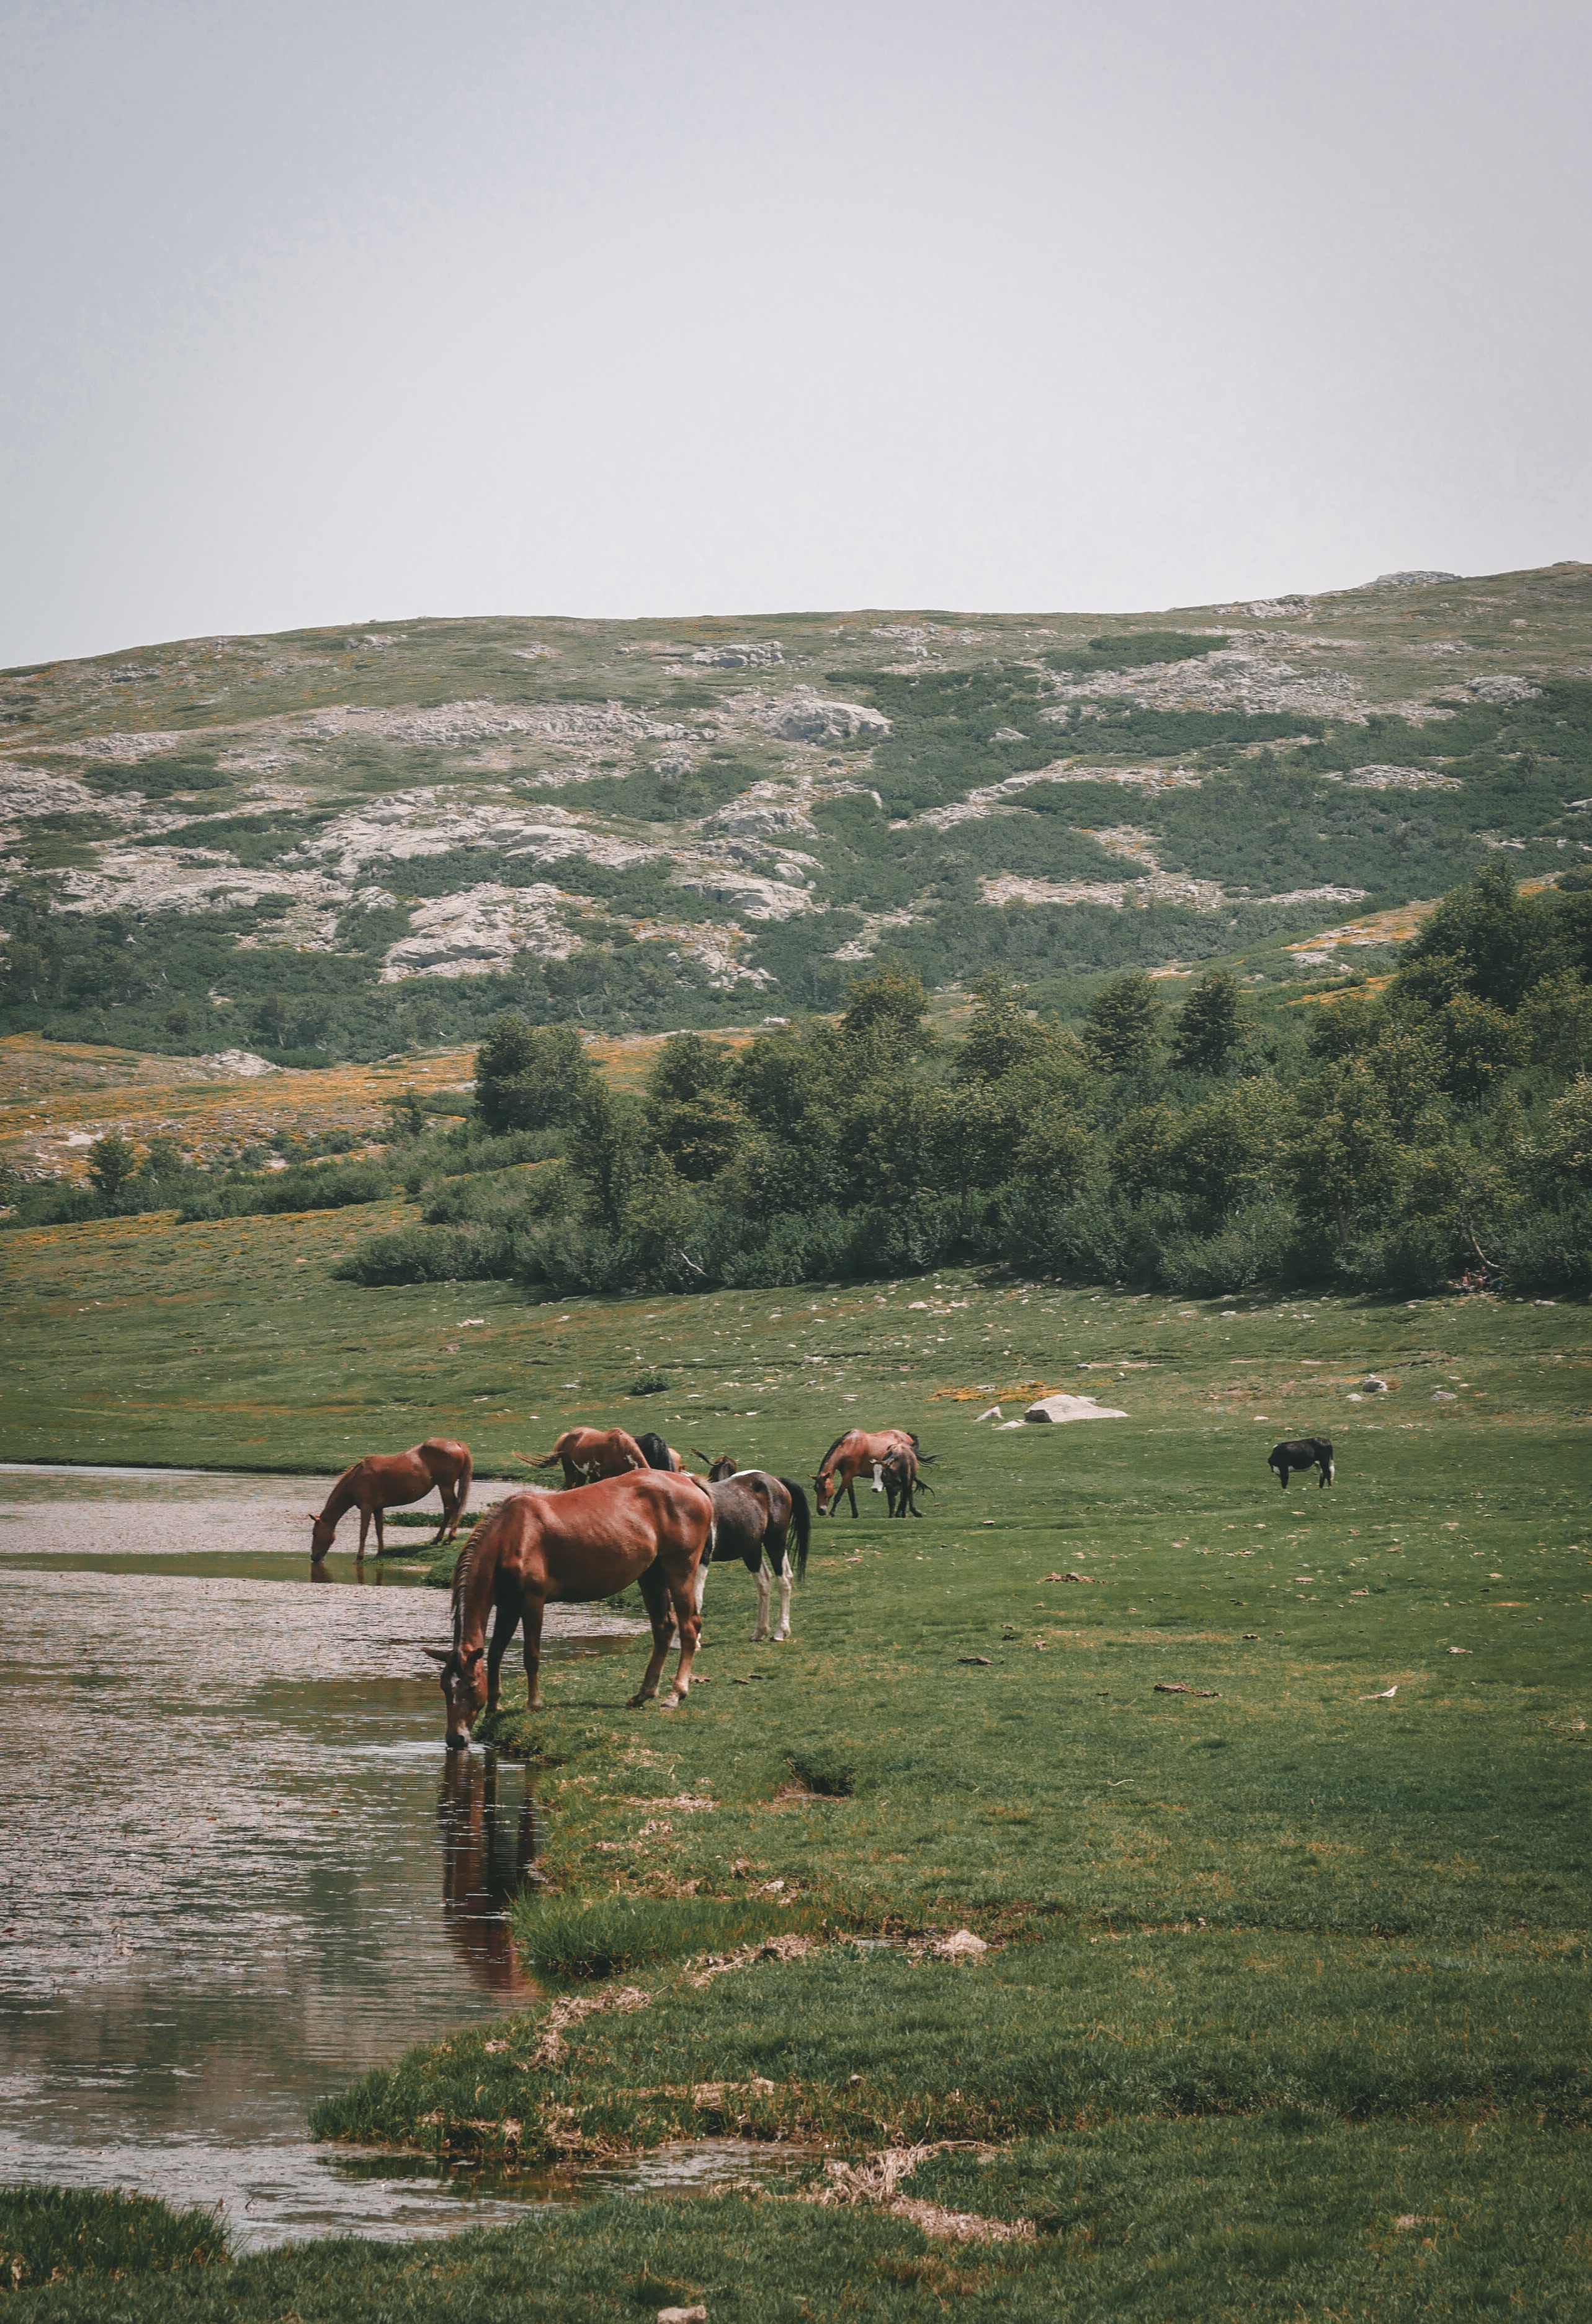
x,y
1304,1453
659,1455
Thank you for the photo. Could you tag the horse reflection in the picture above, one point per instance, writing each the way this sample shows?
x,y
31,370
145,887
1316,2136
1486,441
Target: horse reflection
x,y
486,1853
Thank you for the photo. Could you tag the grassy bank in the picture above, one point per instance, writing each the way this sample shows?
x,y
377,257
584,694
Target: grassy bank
x,y
1282,2218
1275,1962
61,2234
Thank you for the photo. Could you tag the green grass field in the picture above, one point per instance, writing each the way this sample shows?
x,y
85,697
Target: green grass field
x,y
1284,2008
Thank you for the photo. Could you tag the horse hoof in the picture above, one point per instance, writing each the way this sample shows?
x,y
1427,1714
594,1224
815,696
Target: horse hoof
x,y
637,1701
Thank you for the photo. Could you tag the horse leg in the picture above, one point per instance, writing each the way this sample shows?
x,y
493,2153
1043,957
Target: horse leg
x,y
851,1490
760,1576
381,1537
690,1630
497,1647
364,1527
783,1632
533,1654
447,1511
656,1599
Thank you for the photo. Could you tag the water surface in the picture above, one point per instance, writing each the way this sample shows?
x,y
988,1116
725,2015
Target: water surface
x,y
238,1867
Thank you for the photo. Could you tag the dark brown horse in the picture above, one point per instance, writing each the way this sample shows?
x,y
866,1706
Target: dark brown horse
x,y
719,1465
387,1480
537,1549
899,1476
854,1454
588,1453
753,1516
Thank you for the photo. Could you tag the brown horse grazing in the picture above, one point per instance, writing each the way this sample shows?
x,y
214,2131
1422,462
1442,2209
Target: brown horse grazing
x,y
856,1452
719,1465
899,1476
386,1480
538,1548
588,1453
753,1514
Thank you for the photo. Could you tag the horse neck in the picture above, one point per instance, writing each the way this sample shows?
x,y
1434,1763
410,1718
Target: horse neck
x,y
473,1589
343,1496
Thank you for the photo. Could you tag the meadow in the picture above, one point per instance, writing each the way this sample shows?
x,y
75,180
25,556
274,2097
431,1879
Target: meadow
x,y
1272,1820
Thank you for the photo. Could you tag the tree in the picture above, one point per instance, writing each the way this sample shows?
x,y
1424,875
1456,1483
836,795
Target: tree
x,y
406,1115
700,1135
891,1000
529,1077
1209,1025
1497,941
111,1163
1122,1024
605,1152
1345,1161
1002,1035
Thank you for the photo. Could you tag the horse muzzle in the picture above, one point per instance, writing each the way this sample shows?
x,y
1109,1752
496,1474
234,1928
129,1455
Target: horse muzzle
x,y
460,1742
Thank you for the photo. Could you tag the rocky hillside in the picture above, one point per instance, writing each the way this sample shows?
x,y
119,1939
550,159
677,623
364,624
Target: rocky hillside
x,y
336,843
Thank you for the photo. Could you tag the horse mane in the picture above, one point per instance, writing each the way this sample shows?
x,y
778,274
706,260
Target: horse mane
x,y
835,1447
464,1567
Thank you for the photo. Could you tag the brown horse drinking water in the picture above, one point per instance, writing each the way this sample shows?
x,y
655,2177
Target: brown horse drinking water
x,y
537,1549
852,1454
386,1480
586,1453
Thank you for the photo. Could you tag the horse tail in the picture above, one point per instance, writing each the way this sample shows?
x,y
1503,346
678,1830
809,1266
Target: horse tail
x,y
526,1462
466,1477
801,1517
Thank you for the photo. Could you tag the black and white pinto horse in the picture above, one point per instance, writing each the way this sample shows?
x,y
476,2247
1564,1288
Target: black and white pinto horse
x,y
754,1517
1304,1452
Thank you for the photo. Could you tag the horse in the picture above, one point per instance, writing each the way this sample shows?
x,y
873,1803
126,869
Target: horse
x,y
753,1514
588,1454
537,1549
385,1481
850,1456
719,1465
899,1476
1304,1453
657,1453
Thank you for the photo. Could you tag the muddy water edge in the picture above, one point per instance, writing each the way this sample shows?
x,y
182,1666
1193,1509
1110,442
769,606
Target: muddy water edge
x,y
238,1866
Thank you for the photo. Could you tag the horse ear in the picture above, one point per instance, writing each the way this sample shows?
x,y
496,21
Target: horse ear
x,y
471,1655
435,1653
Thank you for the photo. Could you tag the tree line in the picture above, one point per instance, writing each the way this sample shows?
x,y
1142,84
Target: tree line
x,y
1434,1127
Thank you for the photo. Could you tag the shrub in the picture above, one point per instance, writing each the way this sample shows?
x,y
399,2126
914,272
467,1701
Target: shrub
x,y
649,1383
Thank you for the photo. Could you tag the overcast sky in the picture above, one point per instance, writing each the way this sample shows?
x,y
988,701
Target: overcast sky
x,y
331,312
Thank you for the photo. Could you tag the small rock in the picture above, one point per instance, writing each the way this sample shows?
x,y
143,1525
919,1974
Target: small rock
x,y
1444,1395
990,1412
1373,1385
981,1660
961,1946
697,2315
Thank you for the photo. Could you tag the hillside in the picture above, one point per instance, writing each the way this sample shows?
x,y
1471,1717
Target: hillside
x,y
339,845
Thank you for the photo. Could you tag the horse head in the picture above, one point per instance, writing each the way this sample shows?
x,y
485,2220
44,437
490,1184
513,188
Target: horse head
x,y
463,1680
322,1532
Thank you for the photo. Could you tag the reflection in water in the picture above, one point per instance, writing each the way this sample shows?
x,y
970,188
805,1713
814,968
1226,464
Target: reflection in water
x,y
488,1851
218,1875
